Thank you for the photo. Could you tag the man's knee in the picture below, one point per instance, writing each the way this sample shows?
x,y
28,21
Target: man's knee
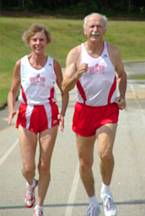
x,y
106,156
85,165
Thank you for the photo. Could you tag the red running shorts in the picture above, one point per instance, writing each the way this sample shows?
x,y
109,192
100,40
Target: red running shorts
x,y
37,118
87,119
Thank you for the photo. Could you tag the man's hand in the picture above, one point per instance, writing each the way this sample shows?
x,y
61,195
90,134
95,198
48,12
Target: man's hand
x,y
121,102
82,69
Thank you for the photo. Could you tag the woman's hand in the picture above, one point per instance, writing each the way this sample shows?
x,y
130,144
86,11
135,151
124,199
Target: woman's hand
x,y
61,122
10,117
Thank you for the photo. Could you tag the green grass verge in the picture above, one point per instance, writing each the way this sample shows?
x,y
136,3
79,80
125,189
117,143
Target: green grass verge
x,y
66,33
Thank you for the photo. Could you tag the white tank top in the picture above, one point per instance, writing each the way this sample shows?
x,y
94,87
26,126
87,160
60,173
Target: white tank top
x,y
37,85
97,87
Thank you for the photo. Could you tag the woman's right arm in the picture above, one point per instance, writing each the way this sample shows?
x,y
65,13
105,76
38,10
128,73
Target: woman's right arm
x,y
13,92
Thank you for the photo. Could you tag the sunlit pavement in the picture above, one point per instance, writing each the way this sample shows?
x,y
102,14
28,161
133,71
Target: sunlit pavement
x,y
66,196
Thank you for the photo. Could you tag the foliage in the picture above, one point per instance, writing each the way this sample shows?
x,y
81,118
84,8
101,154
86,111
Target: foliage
x,y
109,7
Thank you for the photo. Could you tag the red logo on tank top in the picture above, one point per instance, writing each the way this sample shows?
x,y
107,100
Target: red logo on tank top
x,y
98,68
37,80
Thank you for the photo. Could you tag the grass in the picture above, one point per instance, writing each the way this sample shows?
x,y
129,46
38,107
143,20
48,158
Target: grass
x,y
66,33
137,77
128,36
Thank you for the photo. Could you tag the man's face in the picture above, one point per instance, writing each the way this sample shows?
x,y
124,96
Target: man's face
x,y
94,28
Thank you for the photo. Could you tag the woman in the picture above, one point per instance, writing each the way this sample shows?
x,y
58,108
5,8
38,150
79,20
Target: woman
x,y
38,116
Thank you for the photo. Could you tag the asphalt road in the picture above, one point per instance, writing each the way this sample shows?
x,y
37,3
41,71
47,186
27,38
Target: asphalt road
x,y
66,196
135,68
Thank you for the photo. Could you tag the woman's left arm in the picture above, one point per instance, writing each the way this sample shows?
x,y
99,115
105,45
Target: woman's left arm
x,y
64,96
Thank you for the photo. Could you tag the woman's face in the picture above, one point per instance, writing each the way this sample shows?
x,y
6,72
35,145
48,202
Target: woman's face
x,y
38,42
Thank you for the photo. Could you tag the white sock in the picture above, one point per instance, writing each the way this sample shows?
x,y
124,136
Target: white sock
x,y
93,199
105,189
38,207
31,185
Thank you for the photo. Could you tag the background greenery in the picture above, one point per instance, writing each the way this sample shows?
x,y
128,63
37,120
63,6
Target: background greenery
x,y
76,7
129,36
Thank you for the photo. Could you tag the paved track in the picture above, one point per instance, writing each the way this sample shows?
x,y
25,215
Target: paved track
x,y
66,195
135,68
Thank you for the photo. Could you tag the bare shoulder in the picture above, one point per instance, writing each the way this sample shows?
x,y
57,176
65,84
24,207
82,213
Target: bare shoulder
x,y
73,55
18,63
113,50
57,67
56,64
116,58
115,54
72,60
16,70
16,77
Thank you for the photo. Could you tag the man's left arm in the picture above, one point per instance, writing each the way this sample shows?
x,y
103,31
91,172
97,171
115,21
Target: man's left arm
x,y
122,79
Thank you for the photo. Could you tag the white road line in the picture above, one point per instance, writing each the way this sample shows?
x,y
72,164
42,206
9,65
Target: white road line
x,y
8,152
68,211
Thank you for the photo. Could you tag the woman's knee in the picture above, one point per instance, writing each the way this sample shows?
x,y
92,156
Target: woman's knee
x,y
28,169
44,167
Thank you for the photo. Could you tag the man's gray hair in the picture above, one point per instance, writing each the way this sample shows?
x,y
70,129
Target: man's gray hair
x,y
104,19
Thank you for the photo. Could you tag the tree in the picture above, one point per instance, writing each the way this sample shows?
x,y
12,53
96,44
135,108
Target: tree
x,y
21,4
0,6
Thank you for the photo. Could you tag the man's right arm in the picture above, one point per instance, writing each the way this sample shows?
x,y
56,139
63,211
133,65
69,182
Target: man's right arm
x,y
73,70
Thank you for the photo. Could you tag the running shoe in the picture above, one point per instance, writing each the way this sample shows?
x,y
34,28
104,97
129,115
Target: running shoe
x,y
108,205
30,194
93,209
38,211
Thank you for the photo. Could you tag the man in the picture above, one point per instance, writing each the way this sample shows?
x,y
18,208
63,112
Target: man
x,y
96,68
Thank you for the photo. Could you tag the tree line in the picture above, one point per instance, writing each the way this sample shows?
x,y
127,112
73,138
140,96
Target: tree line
x,y
86,6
